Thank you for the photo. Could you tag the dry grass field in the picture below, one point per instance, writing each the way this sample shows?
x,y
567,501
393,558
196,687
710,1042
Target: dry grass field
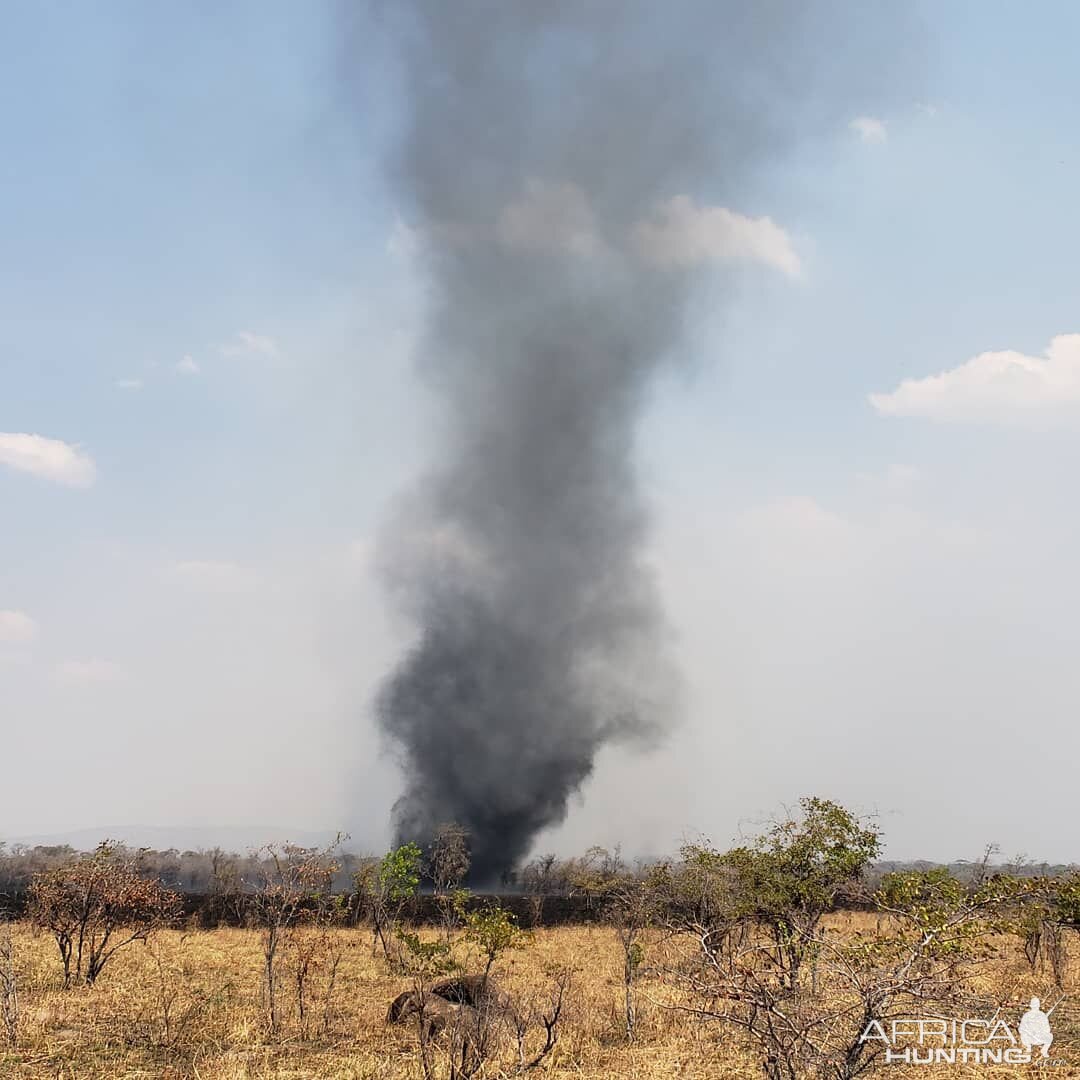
x,y
192,1005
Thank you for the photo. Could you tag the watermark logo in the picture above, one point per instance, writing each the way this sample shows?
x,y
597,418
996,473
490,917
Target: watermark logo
x,y
940,1041
1035,1029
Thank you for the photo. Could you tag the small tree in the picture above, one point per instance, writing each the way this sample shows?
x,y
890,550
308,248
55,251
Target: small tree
x,y
789,877
632,910
95,906
448,863
386,888
1042,924
597,874
764,905
293,880
227,897
425,961
538,879
9,986
494,931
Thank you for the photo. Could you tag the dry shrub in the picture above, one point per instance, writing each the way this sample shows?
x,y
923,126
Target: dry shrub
x,y
96,905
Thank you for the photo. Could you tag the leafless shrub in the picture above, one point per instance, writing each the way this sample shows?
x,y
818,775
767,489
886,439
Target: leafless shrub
x,y
95,906
176,1018
9,986
315,951
448,863
632,909
539,879
545,1017
295,884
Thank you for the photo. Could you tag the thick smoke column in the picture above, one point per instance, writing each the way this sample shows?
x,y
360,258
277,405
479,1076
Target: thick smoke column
x,y
557,166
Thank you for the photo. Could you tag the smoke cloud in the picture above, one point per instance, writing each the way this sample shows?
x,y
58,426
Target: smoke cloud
x,y
570,172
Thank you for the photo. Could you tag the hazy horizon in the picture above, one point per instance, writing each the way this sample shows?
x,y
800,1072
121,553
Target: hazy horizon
x,y
242,839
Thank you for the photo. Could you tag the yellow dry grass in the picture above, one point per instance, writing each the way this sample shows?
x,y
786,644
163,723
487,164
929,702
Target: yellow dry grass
x,y
209,984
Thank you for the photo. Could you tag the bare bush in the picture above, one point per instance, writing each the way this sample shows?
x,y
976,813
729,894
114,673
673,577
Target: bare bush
x,y
632,910
547,1017
295,884
95,906
448,863
539,879
315,951
9,987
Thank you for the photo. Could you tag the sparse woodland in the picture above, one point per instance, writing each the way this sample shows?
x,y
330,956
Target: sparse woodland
x,y
767,960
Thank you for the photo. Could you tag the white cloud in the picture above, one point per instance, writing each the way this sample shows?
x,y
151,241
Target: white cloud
x,y
927,109
52,459
551,219
994,387
129,384
17,628
870,129
248,343
187,366
89,672
213,576
681,233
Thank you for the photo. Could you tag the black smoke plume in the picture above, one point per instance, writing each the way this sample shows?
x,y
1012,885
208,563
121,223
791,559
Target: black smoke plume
x,y
544,142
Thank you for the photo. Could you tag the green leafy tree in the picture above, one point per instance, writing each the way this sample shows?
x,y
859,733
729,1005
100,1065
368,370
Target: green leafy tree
x,y
385,889
785,880
494,931
758,915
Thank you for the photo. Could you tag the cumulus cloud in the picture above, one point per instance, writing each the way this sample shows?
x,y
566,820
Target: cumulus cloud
x,y
51,459
683,234
248,343
549,219
994,387
16,628
213,576
187,366
89,672
870,129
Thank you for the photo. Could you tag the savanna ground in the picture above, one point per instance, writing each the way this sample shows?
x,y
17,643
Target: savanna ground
x,y
193,1005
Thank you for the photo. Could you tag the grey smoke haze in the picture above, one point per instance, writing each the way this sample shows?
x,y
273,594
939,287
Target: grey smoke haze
x,y
542,142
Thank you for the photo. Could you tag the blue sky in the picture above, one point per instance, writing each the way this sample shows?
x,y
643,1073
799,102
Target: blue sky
x,y
207,302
